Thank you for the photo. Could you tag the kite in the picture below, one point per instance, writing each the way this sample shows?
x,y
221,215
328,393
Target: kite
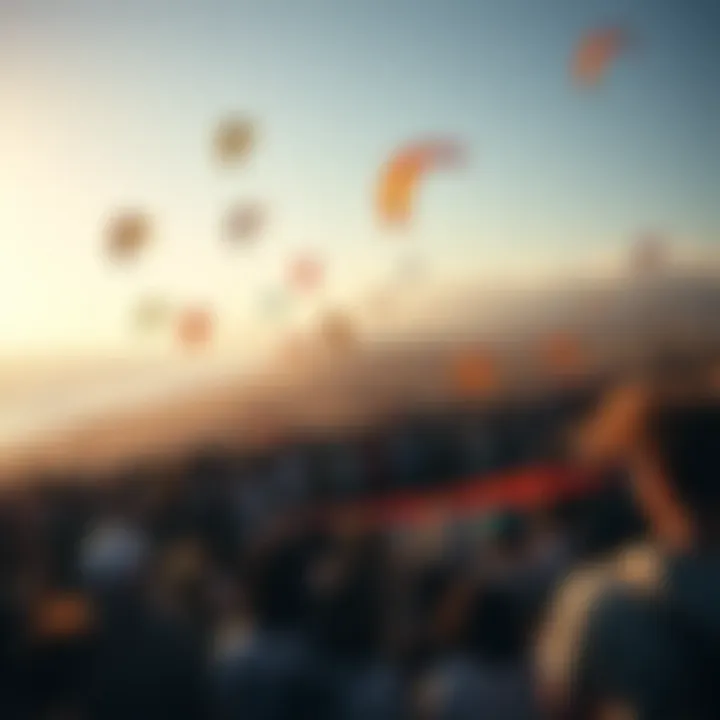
x,y
243,222
474,374
306,272
595,53
563,353
127,234
195,327
401,175
233,141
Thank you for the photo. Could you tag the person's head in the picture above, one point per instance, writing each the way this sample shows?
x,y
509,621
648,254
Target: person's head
x,y
180,575
118,501
684,437
276,581
511,534
115,561
349,598
495,631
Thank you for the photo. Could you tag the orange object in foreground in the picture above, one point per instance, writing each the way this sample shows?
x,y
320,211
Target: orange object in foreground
x,y
63,616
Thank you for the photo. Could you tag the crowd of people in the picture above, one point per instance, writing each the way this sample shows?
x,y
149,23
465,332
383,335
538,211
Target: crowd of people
x,y
205,591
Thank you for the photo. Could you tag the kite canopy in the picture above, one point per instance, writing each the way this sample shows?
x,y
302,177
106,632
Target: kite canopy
x,y
563,353
401,175
243,222
306,272
595,53
233,140
127,233
474,373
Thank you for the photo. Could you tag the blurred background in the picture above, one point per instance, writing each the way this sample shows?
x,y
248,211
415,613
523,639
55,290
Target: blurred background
x,y
300,304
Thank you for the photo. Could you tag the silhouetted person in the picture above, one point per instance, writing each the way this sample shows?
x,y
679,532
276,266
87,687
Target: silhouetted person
x,y
638,635
270,673
483,670
350,630
147,663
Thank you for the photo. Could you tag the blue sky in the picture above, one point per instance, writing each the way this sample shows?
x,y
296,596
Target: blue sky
x,y
107,104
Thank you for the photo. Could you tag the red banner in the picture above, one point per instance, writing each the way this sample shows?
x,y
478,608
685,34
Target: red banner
x,y
530,488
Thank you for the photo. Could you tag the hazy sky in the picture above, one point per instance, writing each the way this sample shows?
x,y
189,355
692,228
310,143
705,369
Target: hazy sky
x,y
106,104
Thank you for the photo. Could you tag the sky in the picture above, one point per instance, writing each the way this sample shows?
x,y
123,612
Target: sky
x,y
107,105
